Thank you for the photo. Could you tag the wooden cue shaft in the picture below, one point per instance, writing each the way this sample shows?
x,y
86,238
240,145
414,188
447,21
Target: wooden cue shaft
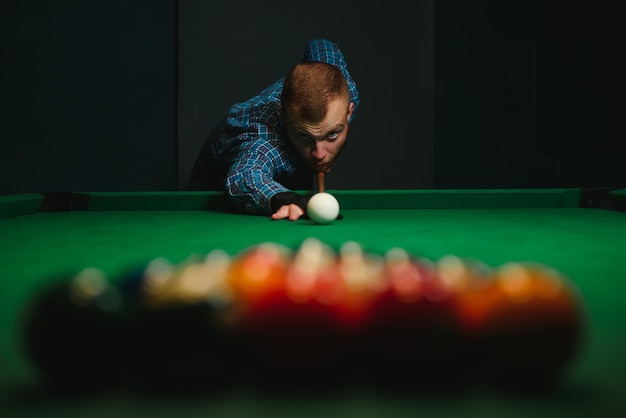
x,y
321,187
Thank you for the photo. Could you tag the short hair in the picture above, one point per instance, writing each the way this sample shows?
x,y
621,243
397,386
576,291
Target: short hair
x,y
309,87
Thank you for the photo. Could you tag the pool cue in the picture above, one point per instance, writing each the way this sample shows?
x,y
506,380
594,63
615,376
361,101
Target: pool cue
x,y
321,187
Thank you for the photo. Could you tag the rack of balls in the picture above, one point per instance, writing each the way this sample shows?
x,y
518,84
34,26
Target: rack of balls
x,y
310,312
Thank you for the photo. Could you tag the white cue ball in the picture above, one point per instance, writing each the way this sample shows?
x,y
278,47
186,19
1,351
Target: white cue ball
x,y
323,208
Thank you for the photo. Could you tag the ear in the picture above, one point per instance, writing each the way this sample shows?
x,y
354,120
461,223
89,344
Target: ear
x,y
350,110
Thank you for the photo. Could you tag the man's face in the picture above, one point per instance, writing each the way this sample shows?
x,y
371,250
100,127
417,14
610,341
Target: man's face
x,y
320,143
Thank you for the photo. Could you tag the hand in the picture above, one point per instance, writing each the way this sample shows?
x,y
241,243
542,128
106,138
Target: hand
x,y
293,212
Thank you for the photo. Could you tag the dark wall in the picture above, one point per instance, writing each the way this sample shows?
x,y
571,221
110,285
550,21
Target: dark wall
x,y
529,94
485,96
581,137
229,51
88,95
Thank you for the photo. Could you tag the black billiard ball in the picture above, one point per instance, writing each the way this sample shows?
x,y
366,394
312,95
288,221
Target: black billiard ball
x,y
70,331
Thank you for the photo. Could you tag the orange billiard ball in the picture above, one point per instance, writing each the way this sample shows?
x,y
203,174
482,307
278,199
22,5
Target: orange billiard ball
x,y
527,322
472,285
258,274
287,323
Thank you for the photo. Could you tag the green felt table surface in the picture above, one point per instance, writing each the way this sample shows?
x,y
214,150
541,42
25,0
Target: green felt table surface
x,y
44,237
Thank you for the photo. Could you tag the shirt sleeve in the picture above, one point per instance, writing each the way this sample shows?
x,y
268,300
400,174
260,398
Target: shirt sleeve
x,y
250,182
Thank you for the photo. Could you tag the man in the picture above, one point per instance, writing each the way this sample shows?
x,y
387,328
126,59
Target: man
x,y
274,143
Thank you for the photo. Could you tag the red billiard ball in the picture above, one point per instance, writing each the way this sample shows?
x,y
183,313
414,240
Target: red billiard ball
x,y
411,330
313,274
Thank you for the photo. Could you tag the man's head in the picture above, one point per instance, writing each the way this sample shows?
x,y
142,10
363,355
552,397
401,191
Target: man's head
x,y
316,107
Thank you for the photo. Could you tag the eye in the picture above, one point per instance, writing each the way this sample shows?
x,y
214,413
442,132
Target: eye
x,y
332,136
303,136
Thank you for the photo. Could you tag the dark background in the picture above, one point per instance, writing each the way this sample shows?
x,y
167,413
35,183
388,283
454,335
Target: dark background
x,y
88,95
120,94
230,51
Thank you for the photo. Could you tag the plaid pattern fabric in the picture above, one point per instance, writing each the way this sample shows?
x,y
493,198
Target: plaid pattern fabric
x,y
250,144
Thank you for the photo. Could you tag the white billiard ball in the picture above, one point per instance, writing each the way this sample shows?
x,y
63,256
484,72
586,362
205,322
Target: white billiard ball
x,y
323,208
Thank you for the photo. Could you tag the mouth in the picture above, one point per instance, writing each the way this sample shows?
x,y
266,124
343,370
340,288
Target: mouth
x,y
321,166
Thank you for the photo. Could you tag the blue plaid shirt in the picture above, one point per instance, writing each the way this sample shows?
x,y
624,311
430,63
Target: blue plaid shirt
x,y
252,147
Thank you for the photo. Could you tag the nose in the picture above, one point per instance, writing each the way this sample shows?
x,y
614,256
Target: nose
x,y
319,150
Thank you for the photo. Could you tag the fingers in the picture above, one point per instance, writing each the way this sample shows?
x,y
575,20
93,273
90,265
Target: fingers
x,y
292,212
281,213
